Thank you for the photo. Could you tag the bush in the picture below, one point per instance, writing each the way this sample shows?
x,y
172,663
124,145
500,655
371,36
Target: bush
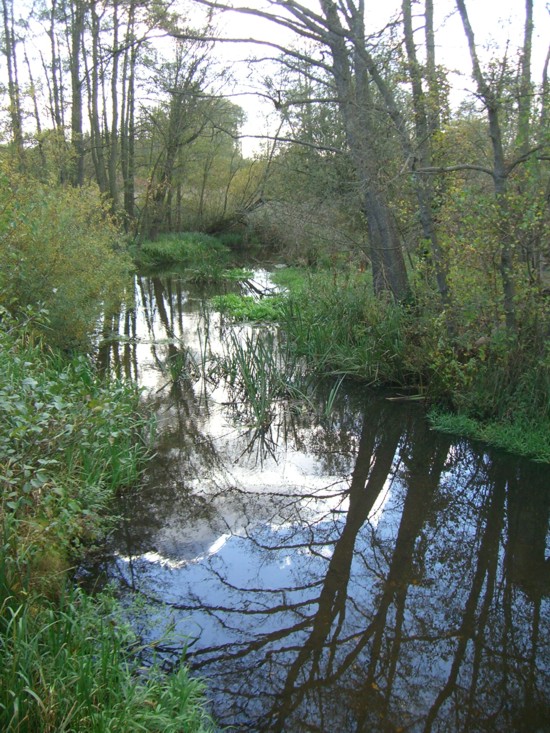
x,y
68,441
59,249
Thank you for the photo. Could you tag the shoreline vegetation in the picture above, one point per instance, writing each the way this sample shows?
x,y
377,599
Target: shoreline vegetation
x,y
69,442
413,235
70,439
481,385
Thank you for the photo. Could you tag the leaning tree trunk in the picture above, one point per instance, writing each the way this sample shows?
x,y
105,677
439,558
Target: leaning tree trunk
x,y
356,105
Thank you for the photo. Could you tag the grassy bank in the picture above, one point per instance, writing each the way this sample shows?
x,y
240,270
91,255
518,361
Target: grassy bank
x,y
68,443
493,388
200,257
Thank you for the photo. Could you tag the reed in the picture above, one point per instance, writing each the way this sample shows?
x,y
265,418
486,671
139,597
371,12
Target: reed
x,y
261,372
73,666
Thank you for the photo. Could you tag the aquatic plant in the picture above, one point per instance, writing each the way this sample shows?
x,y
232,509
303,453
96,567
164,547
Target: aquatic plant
x,y
260,371
249,308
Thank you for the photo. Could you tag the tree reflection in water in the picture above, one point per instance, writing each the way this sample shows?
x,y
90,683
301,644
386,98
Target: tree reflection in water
x,y
355,574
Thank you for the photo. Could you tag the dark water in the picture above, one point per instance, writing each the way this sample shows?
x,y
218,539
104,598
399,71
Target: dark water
x,y
333,570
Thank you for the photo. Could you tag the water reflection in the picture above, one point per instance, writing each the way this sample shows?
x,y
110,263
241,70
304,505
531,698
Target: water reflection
x,y
363,574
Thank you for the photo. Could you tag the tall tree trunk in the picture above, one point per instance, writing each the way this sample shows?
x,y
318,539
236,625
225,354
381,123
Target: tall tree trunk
x,y
352,85
93,76
13,81
500,175
425,118
434,93
113,148
55,69
127,126
36,113
525,91
77,30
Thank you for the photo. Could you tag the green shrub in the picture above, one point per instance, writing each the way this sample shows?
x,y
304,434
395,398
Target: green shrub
x,y
59,249
68,441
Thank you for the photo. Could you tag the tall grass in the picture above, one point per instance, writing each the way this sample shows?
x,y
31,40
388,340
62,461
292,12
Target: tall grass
x,y
72,666
340,328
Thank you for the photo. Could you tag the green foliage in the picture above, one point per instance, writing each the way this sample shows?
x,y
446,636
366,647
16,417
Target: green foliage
x,y
524,436
73,666
291,278
261,372
336,323
202,257
68,441
499,385
58,249
248,308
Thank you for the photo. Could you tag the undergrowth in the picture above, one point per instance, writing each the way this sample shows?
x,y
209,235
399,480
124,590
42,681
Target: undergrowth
x,y
201,257
68,441
73,666
496,388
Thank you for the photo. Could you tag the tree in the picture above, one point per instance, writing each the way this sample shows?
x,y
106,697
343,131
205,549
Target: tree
x,y
493,94
174,124
339,32
9,51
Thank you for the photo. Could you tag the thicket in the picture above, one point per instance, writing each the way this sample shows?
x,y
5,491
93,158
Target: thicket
x,y
60,250
482,383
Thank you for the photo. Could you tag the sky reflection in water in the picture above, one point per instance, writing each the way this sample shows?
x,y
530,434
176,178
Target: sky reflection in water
x,y
352,573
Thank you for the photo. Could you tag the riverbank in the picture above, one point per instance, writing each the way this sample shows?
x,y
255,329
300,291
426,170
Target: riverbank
x,y
492,388
69,442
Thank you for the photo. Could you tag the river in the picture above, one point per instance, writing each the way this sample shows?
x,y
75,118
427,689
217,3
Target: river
x,y
338,567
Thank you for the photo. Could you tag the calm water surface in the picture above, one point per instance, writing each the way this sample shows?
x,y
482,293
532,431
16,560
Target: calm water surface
x,y
331,570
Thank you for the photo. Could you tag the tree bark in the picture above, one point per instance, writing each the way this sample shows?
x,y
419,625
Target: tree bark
x,y
425,119
13,81
499,173
77,29
127,122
